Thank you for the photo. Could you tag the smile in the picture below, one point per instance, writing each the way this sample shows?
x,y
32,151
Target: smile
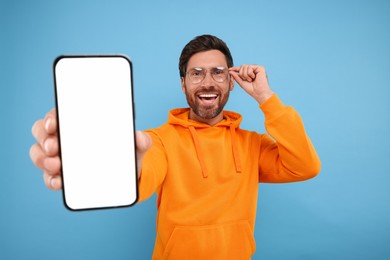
x,y
208,96
208,100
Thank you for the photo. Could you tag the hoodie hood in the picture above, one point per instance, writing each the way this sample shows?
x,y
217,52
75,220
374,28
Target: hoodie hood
x,y
231,120
180,116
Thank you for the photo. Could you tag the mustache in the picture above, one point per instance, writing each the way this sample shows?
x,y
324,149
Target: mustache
x,y
210,89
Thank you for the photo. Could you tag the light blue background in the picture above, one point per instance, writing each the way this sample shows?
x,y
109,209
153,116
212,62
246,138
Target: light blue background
x,y
328,59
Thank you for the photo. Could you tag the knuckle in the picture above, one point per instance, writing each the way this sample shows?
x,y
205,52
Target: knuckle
x,y
36,155
51,146
47,178
52,165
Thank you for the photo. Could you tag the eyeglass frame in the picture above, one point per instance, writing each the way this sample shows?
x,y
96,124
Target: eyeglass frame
x,y
200,69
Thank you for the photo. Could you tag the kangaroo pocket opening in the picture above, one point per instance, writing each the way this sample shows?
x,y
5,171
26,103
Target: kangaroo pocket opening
x,y
224,241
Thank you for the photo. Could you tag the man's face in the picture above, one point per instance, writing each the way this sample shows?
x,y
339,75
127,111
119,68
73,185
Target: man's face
x,y
208,97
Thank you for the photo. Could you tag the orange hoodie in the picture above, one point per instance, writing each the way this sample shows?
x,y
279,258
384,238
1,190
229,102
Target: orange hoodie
x,y
206,178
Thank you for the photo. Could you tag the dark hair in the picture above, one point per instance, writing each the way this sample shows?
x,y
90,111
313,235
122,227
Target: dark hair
x,y
203,43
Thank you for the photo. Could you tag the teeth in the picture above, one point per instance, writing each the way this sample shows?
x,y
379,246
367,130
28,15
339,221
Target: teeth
x,y
208,95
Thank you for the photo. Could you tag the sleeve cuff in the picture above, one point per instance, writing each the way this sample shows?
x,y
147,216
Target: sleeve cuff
x,y
272,107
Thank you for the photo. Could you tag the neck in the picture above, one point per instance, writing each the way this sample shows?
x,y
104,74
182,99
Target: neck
x,y
209,121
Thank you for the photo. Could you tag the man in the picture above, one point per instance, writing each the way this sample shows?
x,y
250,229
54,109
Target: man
x,y
203,167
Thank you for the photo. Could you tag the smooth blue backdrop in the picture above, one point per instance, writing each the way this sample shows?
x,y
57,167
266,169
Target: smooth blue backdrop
x,y
328,59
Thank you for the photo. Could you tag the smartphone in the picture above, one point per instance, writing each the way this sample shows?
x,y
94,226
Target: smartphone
x,y
96,130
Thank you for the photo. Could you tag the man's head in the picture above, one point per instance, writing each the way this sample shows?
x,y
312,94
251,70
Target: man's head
x,y
200,44
205,78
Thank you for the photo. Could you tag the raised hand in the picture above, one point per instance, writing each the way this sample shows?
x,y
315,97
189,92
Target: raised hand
x,y
253,79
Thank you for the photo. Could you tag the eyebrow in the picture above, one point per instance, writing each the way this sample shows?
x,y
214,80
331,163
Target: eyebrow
x,y
216,67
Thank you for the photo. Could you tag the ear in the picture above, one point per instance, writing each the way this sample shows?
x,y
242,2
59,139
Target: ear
x,y
183,84
231,82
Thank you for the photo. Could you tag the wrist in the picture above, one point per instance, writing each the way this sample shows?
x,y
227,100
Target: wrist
x,y
264,96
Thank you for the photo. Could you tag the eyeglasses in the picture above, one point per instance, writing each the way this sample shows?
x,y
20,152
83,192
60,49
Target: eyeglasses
x,y
196,75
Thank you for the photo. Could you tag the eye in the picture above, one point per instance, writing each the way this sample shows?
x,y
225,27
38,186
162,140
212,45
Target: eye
x,y
219,71
196,72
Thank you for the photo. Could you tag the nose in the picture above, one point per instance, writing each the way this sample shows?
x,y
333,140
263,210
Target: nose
x,y
208,79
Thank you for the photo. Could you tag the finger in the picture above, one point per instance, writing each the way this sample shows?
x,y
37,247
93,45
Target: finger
x,y
53,182
251,72
39,132
244,73
52,165
50,146
37,155
235,69
236,77
262,74
241,72
260,69
247,73
56,183
50,122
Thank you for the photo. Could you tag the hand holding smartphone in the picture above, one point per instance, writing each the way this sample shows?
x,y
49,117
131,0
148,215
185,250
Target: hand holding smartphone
x,y
95,113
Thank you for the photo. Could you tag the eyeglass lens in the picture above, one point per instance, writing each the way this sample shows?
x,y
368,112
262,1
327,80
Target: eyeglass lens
x,y
219,74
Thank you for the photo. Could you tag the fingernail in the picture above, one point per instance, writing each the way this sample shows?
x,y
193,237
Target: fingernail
x,y
47,124
52,182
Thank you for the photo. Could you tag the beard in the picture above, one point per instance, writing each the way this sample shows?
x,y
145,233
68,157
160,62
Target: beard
x,y
207,111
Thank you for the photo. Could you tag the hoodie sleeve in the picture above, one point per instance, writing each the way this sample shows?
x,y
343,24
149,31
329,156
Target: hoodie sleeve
x,y
154,168
292,157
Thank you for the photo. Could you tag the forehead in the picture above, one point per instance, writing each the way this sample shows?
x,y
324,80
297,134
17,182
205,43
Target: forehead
x,y
207,59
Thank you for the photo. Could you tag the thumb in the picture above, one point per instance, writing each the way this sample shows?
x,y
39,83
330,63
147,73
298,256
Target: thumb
x,y
143,141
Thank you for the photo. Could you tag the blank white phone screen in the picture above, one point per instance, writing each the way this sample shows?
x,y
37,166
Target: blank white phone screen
x,y
94,100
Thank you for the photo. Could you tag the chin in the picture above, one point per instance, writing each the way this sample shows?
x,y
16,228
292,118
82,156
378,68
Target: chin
x,y
208,113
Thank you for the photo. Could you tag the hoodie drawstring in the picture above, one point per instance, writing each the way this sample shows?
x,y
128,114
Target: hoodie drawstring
x,y
199,152
236,156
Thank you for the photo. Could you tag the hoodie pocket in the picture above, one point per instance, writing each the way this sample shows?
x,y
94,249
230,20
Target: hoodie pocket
x,y
225,241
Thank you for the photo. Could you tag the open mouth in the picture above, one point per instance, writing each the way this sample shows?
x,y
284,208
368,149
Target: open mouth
x,y
208,99
208,96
